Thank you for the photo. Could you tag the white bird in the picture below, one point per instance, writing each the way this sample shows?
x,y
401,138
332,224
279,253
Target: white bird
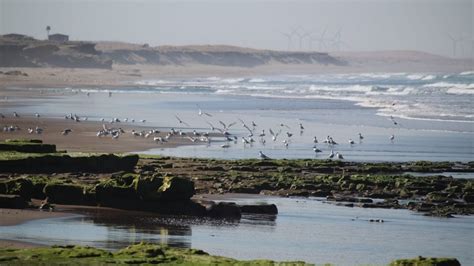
x,y
200,113
274,136
37,115
331,155
339,156
351,142
316,150
263,156
262,134
392,137
15,114
285,142
225,146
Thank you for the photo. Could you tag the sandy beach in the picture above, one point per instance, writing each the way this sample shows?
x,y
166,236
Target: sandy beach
x,y
83,136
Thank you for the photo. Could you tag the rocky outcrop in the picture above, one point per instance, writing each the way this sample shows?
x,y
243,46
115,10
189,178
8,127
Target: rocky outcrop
x,y
61,163
12,202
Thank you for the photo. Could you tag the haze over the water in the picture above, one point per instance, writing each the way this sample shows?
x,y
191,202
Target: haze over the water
x,y
364,25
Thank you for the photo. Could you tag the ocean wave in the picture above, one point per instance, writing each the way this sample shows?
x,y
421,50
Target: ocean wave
x,y
465,73
461,91
152,82
450,85
257,80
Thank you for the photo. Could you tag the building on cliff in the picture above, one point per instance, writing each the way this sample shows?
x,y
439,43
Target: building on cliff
x,y
58,37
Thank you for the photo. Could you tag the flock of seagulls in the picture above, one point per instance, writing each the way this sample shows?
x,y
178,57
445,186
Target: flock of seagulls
x,y
220,130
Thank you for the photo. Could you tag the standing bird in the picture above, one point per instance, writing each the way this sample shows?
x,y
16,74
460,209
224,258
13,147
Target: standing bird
x,y
331,155
316,150
392,137
351,142
315,140
66,131
361,137
263,156
339,156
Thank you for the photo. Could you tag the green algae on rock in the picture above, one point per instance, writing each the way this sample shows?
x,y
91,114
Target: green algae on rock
x,y
142,253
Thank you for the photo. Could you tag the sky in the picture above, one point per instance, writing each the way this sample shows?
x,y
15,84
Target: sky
x,y
364,25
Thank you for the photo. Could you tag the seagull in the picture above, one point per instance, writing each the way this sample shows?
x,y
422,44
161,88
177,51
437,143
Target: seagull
x,y
15,114
285,142
66,131
245,141
274,136
331,155
225,146
283,125
361,137
315,139
226,127
339,156
262,134
200,113
289,134
212,126
263,156
301,127
37,115
392,137
253,124
181,121
38,130
351,142
316,150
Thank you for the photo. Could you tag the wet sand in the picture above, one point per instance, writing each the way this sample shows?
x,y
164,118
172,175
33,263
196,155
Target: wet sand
x,y
83,136
17,216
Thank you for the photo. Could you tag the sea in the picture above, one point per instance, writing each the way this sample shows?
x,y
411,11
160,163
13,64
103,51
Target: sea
x,y
305,229
401,116
429,115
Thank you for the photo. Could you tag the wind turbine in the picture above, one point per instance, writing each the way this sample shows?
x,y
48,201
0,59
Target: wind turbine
x,y
455,43
288,37
301,35
321,40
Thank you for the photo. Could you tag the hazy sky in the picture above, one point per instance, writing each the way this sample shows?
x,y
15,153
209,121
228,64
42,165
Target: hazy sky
x,y
365,25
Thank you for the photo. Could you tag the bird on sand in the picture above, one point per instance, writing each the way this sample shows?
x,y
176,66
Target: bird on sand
x,y
263,156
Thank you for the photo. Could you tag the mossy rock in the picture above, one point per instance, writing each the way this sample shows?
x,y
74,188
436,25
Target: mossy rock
x,y
20,186
420,261
140,254
64,193
176,188
147,188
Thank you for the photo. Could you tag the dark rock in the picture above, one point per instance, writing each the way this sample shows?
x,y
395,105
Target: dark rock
x,y
260,209
20,186
468,197
12,202
64,193
224,210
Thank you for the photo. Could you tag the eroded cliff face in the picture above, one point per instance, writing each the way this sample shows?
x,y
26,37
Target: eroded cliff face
x,y
24,51
27,52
